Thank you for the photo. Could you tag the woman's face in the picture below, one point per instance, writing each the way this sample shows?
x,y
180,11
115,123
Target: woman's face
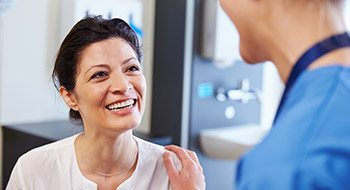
x,y
110,86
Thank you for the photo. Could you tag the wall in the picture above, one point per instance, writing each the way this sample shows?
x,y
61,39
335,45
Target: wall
x,y
347,14
30,42
28,45
148,41
1,26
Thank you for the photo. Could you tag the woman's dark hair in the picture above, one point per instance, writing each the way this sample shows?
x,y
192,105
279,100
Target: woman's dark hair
x,y
87,31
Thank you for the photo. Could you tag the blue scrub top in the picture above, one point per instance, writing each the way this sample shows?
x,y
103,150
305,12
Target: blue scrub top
x,y
309,145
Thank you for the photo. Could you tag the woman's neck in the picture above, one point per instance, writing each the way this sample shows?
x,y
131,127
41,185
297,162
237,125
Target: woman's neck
x,y
298,30
105,155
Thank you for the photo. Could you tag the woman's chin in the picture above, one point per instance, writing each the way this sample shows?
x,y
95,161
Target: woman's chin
x,y
249,59
122,126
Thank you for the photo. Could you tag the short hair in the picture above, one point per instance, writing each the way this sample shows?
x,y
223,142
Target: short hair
x,y
87,31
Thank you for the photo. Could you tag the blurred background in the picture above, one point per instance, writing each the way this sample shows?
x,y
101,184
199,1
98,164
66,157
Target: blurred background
x,y
201,95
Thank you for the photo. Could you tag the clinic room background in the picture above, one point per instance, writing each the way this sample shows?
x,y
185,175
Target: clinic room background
x,y
201,95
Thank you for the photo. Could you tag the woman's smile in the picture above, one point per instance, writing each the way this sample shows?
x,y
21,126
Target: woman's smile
x,y
122,107
117,106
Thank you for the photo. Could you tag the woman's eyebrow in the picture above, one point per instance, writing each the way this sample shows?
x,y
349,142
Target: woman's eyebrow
x,y
128,59
107,66
99,65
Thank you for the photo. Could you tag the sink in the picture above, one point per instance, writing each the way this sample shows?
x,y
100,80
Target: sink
x,y
229,143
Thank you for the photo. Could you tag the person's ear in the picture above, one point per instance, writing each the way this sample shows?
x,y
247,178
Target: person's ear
x,y
69,98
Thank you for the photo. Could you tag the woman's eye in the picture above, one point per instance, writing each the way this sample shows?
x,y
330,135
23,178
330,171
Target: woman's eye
x,y
134,68
99,74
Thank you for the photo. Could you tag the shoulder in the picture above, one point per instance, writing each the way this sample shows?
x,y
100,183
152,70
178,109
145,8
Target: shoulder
x,y
43,165
152,155
50,148
320,82
312,137
46,156
318,101
149,147
150,170
312,174
289,178
154,151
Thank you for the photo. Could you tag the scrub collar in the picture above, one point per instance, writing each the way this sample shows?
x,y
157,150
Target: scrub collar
x,y
325,46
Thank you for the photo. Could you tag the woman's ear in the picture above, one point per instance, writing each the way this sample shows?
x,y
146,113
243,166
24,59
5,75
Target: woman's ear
x,y
69,98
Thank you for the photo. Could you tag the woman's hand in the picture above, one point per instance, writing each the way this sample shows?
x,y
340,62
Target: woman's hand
x,y
191,176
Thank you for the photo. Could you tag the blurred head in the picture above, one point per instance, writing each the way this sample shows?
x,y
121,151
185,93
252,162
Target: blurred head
x,y
98,73
258,20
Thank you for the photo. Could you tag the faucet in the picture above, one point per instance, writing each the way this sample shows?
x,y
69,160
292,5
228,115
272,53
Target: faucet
x,y
243,93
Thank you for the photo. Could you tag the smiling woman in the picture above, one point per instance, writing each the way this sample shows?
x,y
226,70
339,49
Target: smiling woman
x,y
110,88
99,76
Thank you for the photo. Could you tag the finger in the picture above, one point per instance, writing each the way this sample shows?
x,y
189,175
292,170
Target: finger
x,y
180,152
169,165
193,155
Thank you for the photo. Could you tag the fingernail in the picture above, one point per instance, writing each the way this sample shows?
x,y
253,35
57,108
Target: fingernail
x,y
166,155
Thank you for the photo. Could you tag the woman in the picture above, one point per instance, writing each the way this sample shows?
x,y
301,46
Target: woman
x,y
99,75
308,146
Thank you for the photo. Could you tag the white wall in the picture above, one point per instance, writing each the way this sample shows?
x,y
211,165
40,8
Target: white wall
x,y
1,26
30,42
1,52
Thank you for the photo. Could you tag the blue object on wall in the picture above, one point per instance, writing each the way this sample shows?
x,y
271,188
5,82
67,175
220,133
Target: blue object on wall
x,y
205,90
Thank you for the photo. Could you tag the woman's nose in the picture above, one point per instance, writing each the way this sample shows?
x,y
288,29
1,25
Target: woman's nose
x,y
120,83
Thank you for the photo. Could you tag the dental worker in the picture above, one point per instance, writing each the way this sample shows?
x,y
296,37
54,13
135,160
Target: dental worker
x,y
308,146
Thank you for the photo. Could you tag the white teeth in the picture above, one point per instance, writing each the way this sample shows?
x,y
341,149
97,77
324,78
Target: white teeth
x,y
120,105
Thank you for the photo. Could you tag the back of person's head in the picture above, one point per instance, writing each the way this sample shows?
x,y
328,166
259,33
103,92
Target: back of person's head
x,y
317,3
87,31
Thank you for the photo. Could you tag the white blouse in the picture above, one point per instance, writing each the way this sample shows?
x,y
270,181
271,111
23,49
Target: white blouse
x,y
54,166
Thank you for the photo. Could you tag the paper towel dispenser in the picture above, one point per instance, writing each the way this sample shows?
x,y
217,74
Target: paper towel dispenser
x,y
219,40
